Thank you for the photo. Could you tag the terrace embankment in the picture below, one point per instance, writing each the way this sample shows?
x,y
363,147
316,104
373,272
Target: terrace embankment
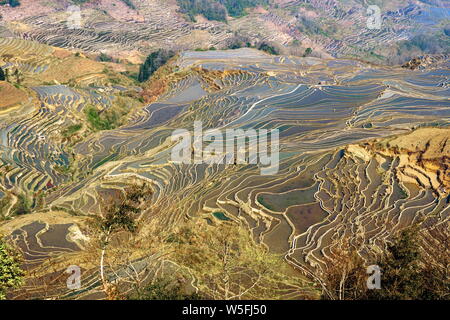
x,y
321,198
423,154
161,81
10,97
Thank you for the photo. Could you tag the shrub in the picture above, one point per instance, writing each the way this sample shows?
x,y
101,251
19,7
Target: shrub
x,y
264,46
164,289
12,3
23,205
217,9
11,275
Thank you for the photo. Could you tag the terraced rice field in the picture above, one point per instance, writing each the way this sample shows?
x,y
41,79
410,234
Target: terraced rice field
x,y
27,56
112,27
153,25
324,192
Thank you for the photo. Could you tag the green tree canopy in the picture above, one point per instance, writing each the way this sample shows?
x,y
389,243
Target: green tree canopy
x,y
11,275
153,62
12,3
217,9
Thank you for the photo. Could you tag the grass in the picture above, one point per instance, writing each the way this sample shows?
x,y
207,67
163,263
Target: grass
x,y
115,115
105,160
71,130
264,203
100,121
62,169
4,204
403,193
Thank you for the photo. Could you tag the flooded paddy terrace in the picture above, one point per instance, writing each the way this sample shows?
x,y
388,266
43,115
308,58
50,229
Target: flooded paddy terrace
x,y
323,192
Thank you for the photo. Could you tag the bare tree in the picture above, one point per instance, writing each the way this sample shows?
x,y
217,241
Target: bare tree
x,y
119,214
229,265
343,276
435,258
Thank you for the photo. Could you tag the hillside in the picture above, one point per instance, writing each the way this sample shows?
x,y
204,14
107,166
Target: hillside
x,y
132,29
355,163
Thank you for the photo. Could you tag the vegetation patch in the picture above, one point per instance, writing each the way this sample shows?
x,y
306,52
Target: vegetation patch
x,y
153,62
129,4
71,130
11,275
100,120
218,9
23,205
408,273
12,3
164,289
112,117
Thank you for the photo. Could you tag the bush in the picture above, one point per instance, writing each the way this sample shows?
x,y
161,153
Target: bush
x,y
11,275
71,130
236,8
407,273
210,9
129,4
100,121
447,30
308,51
264,46
105,58
164,289
426,43
12,3
217,9
153,62
23,205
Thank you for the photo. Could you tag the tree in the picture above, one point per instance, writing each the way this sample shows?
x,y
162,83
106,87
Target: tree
x,y
18,76
164,289
14,3
2,75
153,62
344,276
266,47
447,30
11,275
308,51
415,266
23,205
236,8
118,214
210,9
217,9
229,265
129,4
402,277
